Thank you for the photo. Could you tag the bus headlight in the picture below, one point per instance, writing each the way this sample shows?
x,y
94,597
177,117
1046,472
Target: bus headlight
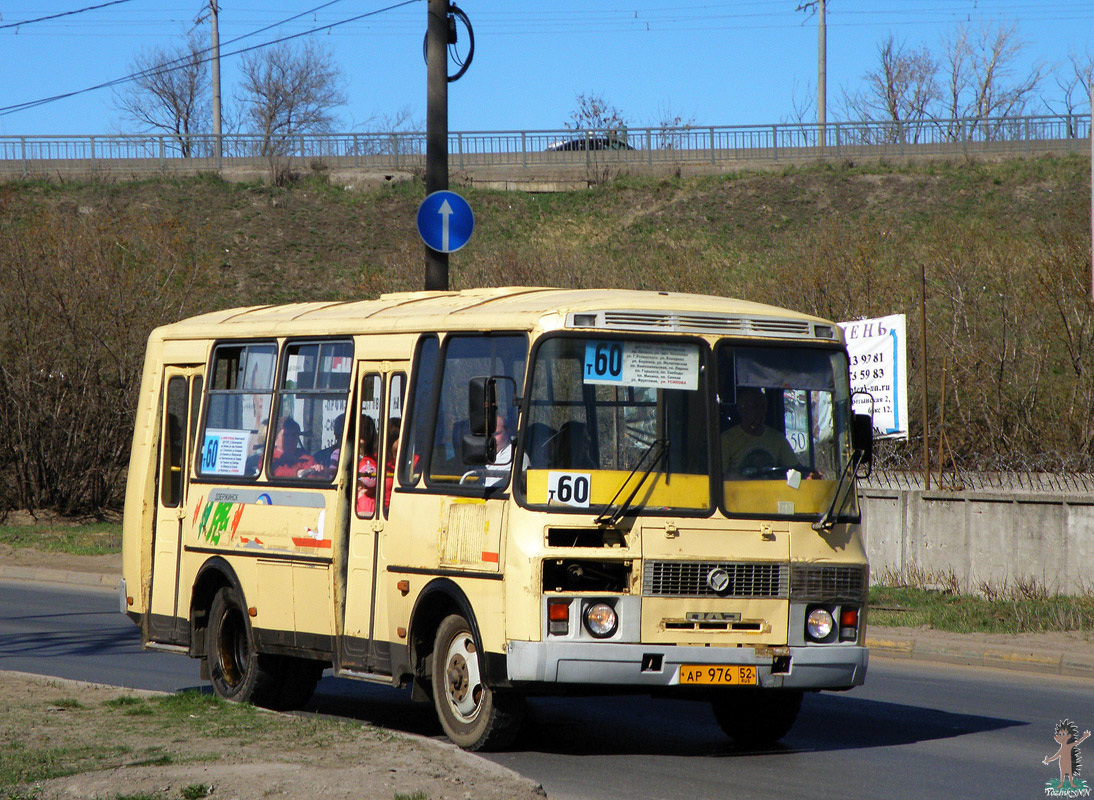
x,y
600,620
819,624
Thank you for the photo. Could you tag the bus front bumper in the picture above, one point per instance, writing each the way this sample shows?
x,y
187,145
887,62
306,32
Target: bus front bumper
x,y
636,665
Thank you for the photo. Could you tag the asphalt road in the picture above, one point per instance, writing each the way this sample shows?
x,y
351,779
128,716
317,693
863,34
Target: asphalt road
x,y
914,730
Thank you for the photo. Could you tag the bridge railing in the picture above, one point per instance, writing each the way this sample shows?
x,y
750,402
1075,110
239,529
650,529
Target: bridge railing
x,y
554,147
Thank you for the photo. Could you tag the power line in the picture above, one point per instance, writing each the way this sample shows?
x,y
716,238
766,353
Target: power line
x,y
179,63
62,14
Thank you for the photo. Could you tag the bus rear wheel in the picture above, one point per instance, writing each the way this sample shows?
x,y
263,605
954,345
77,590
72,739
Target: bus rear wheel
x,y
236,671
756,717
473,715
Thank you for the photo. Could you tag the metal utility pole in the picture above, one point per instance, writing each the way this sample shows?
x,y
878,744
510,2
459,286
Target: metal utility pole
x,y
215,45
822,77
923,349
436,129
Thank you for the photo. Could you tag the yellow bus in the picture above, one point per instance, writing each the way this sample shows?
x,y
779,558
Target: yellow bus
x,y
492,494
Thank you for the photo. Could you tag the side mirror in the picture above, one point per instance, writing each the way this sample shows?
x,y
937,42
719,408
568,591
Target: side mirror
x,y
479,446
862,441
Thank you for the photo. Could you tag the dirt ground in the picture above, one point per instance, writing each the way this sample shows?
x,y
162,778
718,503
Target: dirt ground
x,y
294,757
28,557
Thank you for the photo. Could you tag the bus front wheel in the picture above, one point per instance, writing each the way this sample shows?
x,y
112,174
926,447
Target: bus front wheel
x,y
756,717
473,715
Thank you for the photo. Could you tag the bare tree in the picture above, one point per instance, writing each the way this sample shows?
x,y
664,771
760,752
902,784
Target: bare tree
x,y
593,112
981,76
1074,81
288,90
169,92
901,89
672,128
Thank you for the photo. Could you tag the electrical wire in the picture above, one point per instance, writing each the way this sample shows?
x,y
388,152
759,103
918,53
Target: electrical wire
x,y
179,63
62,14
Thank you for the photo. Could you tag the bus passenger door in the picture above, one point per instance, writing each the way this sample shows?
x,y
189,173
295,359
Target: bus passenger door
x,y
181,402
379,395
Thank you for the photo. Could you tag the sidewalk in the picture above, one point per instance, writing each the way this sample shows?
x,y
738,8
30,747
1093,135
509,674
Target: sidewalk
x,y
1069,654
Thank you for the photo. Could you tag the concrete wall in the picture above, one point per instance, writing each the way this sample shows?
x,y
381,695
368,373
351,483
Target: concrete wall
x,y
994,538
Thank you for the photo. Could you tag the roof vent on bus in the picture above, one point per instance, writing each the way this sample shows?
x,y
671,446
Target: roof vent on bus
x,y
698,323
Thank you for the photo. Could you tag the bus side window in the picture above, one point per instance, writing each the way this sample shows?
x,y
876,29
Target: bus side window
x,y
420,415
232,441
369,431
174,434
466,357
394,426
311,404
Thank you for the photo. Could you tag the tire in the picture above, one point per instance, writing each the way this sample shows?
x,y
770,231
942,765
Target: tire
x,y
473,715
756,717
236,671
298,679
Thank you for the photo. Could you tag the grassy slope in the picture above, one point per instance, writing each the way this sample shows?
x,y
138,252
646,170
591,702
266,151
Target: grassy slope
x,y
734,234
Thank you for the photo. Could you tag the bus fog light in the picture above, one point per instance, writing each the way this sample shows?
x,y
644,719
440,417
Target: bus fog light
x,y
819,624
600,620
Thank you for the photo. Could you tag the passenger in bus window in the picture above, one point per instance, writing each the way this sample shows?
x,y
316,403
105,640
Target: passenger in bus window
x,y
329,456
258,452
393,427
290,460
752,449
504,442
367,468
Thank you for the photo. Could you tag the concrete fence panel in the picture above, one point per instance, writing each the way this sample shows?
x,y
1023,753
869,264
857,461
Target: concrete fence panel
x,y
982,537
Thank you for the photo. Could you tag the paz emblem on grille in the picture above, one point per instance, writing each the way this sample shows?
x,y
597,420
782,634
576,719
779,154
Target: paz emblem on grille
x,y
718,580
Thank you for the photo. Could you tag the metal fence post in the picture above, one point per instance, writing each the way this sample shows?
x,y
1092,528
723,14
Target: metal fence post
x,y
523,149
459,149
712,145
775,142
649,147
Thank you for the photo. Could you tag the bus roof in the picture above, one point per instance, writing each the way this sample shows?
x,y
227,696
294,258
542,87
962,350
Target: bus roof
x,y
508,308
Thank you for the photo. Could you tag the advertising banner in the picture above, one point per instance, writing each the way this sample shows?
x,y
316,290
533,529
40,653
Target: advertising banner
x,y
879,372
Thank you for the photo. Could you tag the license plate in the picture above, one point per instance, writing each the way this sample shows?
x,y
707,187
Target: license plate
x,y
714,675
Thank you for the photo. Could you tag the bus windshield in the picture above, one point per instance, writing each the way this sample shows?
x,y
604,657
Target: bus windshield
x,y
597,407
784,435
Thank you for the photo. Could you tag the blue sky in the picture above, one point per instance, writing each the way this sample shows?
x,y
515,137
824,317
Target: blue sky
x,y
711,63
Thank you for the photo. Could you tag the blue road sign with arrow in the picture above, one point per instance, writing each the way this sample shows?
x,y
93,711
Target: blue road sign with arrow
x,y
445,221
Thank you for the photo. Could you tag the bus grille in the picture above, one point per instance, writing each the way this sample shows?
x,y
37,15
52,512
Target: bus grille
x,y
827,582
689,579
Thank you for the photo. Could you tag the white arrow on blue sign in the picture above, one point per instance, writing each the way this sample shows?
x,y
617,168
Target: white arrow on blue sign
x,y
445,221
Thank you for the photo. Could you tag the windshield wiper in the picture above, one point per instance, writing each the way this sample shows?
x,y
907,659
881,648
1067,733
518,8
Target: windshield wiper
x,y
604,518
828,519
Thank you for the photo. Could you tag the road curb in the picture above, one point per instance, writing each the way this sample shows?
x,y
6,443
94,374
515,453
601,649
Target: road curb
x,y
1080,665
65,576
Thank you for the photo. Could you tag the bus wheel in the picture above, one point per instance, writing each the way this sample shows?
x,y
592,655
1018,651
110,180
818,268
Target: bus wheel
x,y
236,671
756,717
473,715
299,677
